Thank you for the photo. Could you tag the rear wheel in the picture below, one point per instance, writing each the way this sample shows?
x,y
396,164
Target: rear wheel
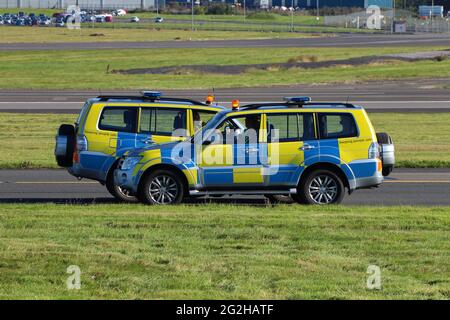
x,y
119,193
162,187
321,187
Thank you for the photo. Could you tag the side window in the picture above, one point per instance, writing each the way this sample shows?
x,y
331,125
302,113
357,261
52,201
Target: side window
x,y
290,127
163,121
337,125
118,119
240,130
201,118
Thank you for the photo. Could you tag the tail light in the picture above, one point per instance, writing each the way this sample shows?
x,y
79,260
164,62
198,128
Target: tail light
x,y
374,151
81,145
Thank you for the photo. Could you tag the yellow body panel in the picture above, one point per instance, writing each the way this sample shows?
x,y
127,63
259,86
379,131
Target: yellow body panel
x,y
248,175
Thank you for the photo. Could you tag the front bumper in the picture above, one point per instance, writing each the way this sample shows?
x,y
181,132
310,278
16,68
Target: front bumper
x,y
125,179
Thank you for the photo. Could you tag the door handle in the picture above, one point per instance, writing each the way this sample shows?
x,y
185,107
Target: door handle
x,y
147,141
251,150
306,147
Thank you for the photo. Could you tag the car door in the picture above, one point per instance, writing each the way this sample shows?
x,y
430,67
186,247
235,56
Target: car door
x,y
291,144
230,158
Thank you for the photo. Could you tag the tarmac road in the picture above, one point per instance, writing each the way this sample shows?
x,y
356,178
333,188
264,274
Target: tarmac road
x,y
342,41
384,96
427,187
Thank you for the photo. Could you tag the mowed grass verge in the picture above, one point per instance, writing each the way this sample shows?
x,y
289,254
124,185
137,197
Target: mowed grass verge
x,y
91,69
140,34
421,140
223,252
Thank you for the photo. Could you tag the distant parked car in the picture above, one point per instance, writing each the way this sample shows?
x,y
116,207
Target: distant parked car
x,y
7,18
59,22
1,20
20,22
108,18
100,18
135,19
119,12
159,19
45,21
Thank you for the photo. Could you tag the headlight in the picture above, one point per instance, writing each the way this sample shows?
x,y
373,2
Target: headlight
x,y
130,162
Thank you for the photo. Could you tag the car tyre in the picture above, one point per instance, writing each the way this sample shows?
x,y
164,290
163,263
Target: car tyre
x,y
68,131
320,187
162,187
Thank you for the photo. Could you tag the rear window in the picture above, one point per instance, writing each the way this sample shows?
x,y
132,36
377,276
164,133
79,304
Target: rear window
x,y
118,119
337,125
163,122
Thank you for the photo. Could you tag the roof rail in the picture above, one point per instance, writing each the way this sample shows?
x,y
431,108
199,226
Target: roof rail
x,y
104,98
295,105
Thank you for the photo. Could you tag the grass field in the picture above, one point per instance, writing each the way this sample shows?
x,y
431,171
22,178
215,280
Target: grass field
x,y
87,69
223,252
421,140
141,33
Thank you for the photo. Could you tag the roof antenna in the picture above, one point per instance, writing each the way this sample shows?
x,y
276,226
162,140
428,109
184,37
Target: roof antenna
x,y
348,97
214,94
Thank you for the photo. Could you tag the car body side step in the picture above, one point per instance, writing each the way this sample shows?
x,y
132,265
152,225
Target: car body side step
x,y
248,192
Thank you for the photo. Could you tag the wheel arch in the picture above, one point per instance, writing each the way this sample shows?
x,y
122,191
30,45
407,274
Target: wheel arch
x,y
165,166
328,166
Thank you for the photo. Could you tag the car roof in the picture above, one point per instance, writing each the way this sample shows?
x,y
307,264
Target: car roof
x,y
280,106
163,101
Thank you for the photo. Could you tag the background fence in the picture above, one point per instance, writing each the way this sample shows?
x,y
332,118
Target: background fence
x,y
85,4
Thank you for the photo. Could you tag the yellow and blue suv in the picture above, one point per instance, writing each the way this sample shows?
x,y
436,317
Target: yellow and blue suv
x,y
109,126
310,152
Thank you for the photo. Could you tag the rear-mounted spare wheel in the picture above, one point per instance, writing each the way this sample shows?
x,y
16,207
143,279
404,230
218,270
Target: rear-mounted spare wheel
x,y
65,145
387,152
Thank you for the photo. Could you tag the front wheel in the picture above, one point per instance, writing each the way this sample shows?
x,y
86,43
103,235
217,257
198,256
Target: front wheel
x,y
162,187
321,187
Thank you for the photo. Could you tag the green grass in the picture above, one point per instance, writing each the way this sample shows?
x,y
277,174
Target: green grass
x,y
86,69
223,252
227,26
139,33
421,140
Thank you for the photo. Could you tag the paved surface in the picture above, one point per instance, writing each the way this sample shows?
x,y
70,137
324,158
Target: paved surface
x,y
429,187
347,40
385,96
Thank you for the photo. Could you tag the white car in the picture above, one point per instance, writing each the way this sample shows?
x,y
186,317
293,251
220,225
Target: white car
x,y
135,19
121,12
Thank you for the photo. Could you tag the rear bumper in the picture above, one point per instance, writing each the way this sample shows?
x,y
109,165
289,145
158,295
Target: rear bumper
x,y
369,182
